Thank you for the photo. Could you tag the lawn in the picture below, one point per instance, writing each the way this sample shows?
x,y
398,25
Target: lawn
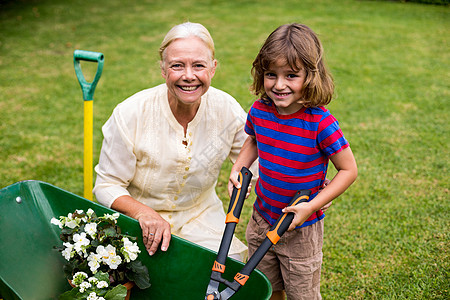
x,y
387,237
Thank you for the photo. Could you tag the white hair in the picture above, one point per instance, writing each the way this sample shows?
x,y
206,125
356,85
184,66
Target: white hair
x,y
186,30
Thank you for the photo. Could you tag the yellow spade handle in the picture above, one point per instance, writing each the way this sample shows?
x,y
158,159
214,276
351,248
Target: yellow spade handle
x,y
88,148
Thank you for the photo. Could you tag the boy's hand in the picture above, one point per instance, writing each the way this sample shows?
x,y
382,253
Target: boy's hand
x,y
233,182
326,206
301,211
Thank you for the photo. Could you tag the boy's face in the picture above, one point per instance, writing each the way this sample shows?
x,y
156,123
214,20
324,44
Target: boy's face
x,y
284,86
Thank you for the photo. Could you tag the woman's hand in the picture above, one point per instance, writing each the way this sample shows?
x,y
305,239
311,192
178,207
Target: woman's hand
x,y
155,231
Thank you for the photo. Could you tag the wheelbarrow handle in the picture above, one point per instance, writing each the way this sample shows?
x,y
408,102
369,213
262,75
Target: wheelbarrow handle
x,y
86,87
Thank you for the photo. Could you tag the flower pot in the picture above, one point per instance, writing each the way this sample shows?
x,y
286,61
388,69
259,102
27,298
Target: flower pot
x,y
129,285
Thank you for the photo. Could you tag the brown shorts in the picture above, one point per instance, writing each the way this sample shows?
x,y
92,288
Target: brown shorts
x,y
294,263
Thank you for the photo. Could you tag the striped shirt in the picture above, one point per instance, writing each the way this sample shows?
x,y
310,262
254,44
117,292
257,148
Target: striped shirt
x,y
293,152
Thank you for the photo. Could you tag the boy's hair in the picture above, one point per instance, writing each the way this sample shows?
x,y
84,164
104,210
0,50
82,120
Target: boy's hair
x,y
300,47
186,30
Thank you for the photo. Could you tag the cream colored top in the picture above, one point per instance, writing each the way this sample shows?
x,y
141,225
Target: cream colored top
x,y
143,156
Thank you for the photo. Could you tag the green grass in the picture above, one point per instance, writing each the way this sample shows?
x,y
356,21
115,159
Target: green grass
x,y
387,237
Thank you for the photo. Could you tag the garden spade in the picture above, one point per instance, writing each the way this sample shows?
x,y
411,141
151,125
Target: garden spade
x,y
88,89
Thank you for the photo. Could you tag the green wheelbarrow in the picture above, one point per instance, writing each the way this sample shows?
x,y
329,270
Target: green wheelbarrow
x,y
30,268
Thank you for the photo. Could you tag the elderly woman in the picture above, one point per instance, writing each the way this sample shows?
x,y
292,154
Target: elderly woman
x,y
164,147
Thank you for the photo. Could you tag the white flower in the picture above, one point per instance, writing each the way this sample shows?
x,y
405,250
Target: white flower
x,y
78,278
91,229
89,212
111,250
102,252
81,275
81,241
81,238
94,261
100,298
57,222
114,261
107,252
92,296
102,284
84,286
70,222
109,256
93,280
112,217
130,250
68,251
79,211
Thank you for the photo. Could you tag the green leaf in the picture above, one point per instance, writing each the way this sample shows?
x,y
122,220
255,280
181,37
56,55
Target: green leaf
x,y
68,269
102,276
95,243
110,232
139,274
68,231
73,294
117,293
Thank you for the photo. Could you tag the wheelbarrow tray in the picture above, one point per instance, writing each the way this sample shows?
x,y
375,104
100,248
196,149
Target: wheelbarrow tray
x,y
30,267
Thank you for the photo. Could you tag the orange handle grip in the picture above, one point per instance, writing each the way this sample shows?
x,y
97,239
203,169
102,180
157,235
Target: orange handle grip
x,y
283,222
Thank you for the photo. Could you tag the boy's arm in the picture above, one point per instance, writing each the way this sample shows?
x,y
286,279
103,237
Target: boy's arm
x,y
345,164
246,157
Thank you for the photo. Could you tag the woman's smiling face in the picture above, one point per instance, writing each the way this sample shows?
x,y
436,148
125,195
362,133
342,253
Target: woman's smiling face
x,y
188,68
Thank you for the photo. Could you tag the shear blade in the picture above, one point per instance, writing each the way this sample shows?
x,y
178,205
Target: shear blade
x,y
213,296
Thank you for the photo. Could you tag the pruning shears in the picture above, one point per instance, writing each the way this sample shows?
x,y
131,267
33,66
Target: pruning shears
x,y
272,237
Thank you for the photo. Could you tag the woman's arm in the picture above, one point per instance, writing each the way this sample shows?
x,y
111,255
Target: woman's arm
x,y
345,163
116,168
117,162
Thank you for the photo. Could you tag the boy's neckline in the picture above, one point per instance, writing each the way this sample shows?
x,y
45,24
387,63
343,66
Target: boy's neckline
x,y
288,116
